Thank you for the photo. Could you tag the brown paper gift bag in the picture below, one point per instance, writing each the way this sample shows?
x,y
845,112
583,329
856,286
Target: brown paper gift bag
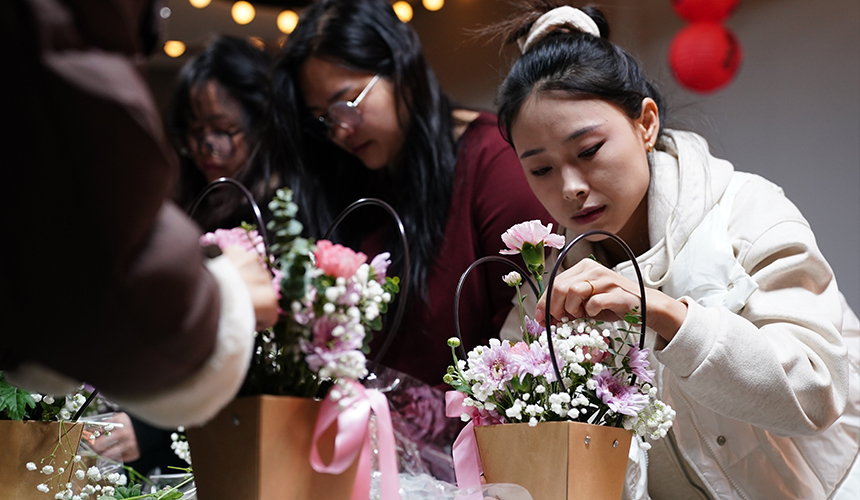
x,y
556,460
258,448
22,442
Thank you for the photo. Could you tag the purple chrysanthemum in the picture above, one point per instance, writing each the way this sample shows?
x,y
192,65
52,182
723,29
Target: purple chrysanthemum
x,y
533,359
533,327
493,367
639,364
618,396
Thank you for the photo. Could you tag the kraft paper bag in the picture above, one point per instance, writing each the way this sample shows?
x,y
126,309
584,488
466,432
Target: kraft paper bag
x,y
29,441
556,460
258,448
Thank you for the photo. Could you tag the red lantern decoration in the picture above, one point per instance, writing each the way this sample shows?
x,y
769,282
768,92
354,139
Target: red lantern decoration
x,y
704,10
704,56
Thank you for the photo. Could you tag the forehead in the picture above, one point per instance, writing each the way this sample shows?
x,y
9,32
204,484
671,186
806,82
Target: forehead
x,y
550,115
324,80
211,101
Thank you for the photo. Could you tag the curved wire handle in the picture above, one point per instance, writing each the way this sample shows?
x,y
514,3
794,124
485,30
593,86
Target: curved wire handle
x,y
555,271
226,181
488,258
404,287
209,188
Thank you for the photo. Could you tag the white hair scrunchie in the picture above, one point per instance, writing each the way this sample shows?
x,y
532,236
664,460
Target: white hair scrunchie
x,y
560,17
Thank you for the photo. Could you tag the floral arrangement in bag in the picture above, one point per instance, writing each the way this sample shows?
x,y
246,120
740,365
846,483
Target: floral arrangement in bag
x,y
331,298
605,375
65,474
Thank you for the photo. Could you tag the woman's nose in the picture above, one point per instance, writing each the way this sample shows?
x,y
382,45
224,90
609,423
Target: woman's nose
x,y
340,132
574,185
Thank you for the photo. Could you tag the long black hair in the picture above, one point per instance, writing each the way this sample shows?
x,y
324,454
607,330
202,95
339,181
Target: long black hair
x,y
366,35
569,60
242,70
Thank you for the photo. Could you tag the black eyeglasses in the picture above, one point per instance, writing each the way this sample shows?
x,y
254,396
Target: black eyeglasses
x,y
343,114
217,144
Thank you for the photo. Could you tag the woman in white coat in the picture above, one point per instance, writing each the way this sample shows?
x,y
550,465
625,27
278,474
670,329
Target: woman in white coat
x,y
747,327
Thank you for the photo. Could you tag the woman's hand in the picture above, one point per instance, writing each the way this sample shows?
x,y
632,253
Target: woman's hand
x,y
259,283
590,290
120,443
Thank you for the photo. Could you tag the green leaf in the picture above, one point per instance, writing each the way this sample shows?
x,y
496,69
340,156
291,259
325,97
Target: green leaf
x,y
13,401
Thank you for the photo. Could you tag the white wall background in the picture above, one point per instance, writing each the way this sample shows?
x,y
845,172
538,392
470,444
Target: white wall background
x,y
792,115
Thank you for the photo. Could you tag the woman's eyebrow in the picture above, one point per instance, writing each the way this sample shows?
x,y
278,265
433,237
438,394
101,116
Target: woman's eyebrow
x,y
578,133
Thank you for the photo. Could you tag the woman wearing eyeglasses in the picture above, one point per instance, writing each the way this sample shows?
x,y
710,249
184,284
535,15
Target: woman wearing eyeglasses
x,y
218,117
359,111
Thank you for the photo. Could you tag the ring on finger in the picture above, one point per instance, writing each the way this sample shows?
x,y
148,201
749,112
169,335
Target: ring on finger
x,y
592,289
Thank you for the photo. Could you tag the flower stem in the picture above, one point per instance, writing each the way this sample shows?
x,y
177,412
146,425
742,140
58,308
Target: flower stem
x,y
522,313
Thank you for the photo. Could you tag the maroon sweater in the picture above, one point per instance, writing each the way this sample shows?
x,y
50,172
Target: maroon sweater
x,y
490,195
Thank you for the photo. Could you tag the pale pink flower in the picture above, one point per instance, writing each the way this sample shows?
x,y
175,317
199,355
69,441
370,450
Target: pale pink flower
x,y
250,241
380,265
533,232
247,240
338,261
533,360
618,396
493,367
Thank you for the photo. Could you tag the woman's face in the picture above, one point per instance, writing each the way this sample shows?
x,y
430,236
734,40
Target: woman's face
x,y
216,136
586,161
377,141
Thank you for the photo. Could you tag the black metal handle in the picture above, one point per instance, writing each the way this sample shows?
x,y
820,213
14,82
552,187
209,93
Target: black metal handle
x,y
489,258
555,269
226,181
404,287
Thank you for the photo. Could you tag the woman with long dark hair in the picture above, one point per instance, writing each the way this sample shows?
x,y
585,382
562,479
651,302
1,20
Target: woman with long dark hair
x,y
361,113
218,118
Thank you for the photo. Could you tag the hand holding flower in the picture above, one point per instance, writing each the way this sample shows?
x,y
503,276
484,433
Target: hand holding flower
x,y
590,290
259,283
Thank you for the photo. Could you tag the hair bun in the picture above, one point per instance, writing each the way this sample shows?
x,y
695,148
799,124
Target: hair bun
x,y
564,18
599,19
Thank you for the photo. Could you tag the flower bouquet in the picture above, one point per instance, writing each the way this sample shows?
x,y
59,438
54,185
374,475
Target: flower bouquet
x,y
571,397
41,454
279,437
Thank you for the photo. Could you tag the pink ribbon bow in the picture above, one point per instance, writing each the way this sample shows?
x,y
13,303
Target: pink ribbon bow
x,y
352,414
467,461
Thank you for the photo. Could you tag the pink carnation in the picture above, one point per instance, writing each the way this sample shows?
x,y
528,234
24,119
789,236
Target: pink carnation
x,y
250,241
338,261
247,240
533,232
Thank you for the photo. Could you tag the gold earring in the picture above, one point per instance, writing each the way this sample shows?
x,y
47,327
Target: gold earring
x,y
650,147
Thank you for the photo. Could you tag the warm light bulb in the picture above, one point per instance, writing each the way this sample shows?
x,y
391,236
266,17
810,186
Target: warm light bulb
x,y
199,3
243,12
433,5
287,21
403,11
174,48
